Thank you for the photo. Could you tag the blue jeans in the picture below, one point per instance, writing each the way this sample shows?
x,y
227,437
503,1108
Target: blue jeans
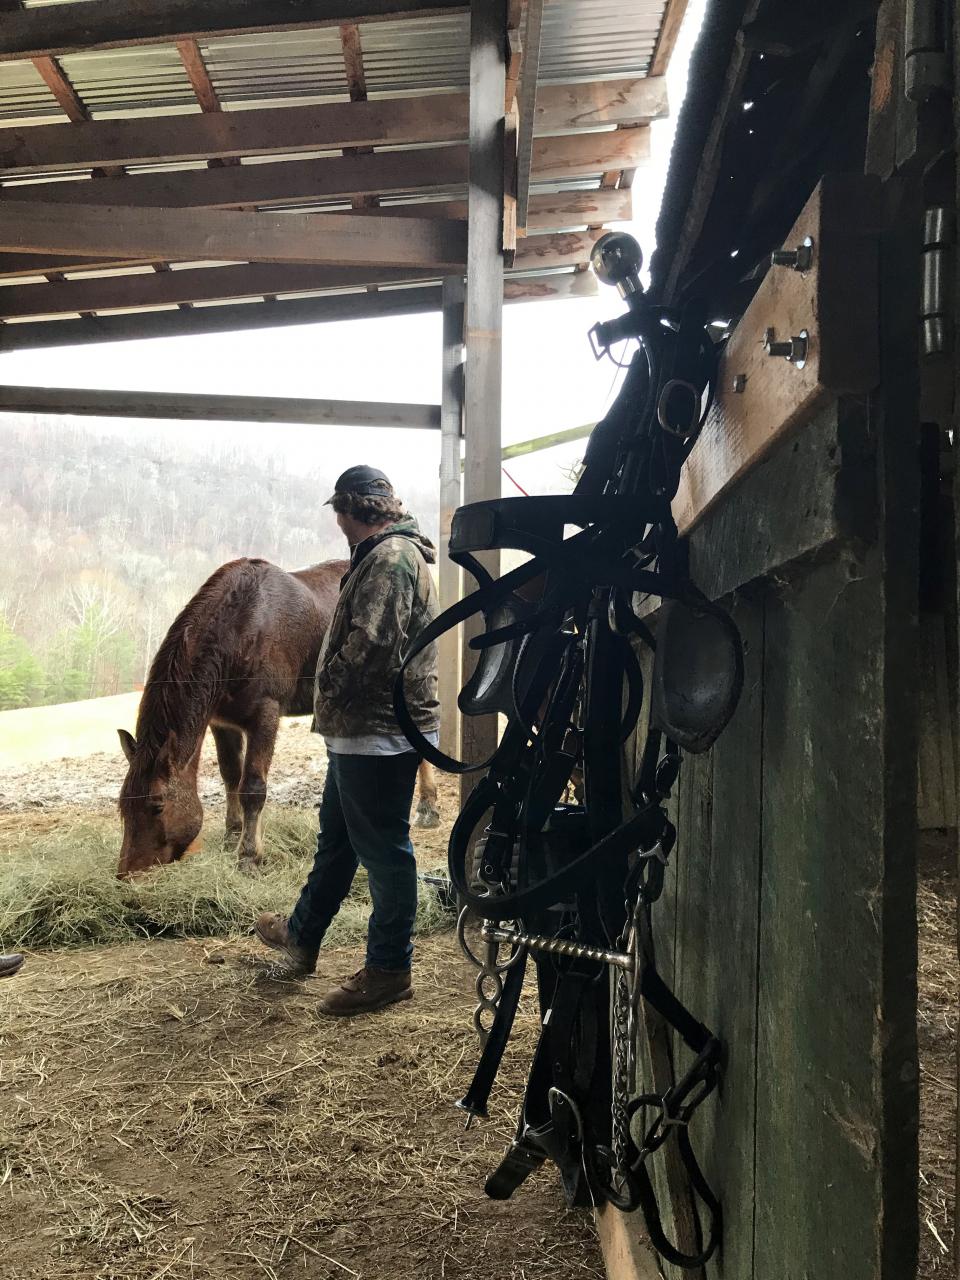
x,y
364,820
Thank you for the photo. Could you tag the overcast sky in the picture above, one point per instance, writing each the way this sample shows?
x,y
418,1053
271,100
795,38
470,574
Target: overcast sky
x,y
551,380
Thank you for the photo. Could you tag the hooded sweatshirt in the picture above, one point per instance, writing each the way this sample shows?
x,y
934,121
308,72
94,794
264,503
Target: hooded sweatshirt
x,y
386,600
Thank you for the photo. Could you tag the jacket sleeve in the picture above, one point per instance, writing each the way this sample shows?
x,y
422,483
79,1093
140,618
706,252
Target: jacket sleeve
x,y
380,610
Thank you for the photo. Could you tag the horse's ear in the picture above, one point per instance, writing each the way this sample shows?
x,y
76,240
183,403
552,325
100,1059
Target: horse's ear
x,y
167,754
128,744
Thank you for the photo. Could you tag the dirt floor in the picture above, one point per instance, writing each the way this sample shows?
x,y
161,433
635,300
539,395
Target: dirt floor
x,y
168,1111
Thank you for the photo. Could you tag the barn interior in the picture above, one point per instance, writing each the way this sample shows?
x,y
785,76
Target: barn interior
x,y
181,170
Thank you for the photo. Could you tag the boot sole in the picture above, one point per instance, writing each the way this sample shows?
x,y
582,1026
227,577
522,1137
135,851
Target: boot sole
x,y
366,1008
297,967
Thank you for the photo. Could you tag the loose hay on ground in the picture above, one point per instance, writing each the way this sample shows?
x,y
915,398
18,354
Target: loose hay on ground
x,y
58,887
164,1116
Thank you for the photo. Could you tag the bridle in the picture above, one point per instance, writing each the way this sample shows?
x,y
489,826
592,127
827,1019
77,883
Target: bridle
x,y
570,885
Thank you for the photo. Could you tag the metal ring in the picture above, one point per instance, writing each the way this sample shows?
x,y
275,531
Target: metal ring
x,y
665,394
465,947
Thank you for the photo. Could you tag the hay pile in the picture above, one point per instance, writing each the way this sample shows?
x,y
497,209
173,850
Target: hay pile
x,y
165,1116
58,887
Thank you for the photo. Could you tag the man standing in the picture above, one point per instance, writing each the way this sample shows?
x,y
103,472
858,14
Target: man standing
x,y
386,598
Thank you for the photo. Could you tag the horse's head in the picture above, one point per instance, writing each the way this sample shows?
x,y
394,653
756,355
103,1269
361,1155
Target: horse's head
x,y
159,808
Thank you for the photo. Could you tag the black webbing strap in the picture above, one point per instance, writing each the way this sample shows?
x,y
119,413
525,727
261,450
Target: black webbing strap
x,y
475,1099
639,832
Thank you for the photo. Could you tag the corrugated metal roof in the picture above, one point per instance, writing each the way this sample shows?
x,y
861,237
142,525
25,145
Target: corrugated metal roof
x,y
581,40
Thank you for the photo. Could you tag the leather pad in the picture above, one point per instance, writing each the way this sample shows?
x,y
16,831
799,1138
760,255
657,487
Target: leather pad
x,y
697,674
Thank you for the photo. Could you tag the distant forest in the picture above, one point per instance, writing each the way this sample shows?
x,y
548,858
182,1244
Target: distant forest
x,y
103,540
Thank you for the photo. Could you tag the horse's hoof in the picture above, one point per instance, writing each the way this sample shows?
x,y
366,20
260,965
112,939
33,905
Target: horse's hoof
x,y
249,866
427,815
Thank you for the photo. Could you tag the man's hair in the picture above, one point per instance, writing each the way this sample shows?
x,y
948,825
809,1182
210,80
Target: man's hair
x,y
367,508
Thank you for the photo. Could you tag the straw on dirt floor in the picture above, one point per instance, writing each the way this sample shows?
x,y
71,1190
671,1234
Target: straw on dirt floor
x,y
59,888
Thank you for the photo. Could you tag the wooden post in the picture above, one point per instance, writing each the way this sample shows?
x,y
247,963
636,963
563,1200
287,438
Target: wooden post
x,y
484,306
451,429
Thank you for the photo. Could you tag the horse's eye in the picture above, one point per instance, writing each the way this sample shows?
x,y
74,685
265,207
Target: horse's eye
x,y
155,806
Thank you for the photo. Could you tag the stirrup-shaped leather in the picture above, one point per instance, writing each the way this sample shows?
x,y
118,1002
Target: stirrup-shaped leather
x,y
490,687
697,673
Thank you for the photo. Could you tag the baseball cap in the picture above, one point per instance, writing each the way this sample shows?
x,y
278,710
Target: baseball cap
x,y
362,480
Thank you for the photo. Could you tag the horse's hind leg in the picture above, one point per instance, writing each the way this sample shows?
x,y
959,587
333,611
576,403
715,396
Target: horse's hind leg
x,y
229,744
261,739
428,811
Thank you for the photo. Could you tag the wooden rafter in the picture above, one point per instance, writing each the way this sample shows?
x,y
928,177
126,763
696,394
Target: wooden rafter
x,y
341,177
162,234
667,39
357,86
565,211
276,131
528,107
186,406
218,284
106,24
294,311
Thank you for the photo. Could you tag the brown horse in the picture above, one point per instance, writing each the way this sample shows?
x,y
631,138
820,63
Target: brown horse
x,y
240,655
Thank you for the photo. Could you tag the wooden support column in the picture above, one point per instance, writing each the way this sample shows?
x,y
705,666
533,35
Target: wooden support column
x,y
451,430
484,306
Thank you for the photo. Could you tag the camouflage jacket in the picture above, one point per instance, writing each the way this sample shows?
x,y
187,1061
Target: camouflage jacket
x,y
387,598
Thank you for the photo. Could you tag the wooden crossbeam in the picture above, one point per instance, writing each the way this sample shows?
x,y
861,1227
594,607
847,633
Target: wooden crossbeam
x,y
340,177
181,406
218,284
546,213
165,234
438,118
336,308
105,24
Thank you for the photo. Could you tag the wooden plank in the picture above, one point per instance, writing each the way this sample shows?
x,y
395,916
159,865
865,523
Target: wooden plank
x,y
339,177
229,318
217,284
451,432
269,131
625,1257
103,24
189,407
483,336
527,107
547,213
429,118
333,239
600,103
810,494
717,949
936,769
667,39
835,303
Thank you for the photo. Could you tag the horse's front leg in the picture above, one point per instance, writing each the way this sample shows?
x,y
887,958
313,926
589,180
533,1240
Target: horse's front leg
x,y
229,744
428,810
261,739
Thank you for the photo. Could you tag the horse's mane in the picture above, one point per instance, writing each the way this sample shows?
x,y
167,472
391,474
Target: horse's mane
x,y
189,669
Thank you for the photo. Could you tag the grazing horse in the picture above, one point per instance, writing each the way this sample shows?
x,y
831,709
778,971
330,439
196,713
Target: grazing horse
x,y
241,654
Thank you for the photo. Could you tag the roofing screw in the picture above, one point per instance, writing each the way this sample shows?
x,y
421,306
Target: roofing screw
x,y
793,349
800,259
739,382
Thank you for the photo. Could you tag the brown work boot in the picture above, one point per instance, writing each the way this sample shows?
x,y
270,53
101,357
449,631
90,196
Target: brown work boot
x,y
368,989
272,930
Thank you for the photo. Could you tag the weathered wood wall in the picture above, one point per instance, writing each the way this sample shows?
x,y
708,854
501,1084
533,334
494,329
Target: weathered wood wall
x,y
788,920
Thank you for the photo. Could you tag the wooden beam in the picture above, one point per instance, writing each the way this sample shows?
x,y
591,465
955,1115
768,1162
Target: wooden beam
x,y
333,239
528,108
483,336
667,39
546,213
339,177
436,118
104,24
330,308
218,284
190,407
268,131
835,303
451,431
